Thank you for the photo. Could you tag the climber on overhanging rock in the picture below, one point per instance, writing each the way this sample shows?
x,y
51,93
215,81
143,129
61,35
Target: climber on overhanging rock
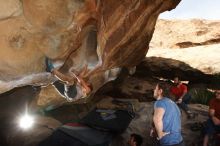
x,y
70,88
74,79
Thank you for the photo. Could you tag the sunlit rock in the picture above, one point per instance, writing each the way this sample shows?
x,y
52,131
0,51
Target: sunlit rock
x,y
89,38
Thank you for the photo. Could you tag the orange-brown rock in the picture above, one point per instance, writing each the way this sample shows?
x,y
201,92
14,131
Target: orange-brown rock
x,y
102,35
48,15
10,8
19,55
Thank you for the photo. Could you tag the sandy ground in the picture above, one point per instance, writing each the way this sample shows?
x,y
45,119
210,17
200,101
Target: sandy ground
x,y
205,58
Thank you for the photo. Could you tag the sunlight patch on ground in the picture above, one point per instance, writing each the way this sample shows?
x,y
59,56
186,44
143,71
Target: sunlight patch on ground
x,y
204,58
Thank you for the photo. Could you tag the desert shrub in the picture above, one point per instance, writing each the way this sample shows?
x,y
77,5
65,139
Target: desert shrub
x,y
201,96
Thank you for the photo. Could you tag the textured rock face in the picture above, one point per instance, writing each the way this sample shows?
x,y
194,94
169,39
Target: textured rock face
x,y
11,8
101,35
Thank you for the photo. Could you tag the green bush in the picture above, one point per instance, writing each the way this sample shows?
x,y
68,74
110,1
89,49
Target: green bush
x,y
201,96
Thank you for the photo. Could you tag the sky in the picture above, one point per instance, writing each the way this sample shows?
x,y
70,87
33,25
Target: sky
x,y
201,9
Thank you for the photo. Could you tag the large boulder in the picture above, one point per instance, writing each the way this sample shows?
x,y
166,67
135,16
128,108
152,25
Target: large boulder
x,y
168,68
93,37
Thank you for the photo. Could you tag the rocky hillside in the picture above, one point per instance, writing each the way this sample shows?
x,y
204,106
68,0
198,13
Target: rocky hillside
x,y
194,42
185,33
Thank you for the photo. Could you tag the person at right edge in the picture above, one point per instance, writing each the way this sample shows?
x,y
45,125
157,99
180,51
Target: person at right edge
x,y
213,122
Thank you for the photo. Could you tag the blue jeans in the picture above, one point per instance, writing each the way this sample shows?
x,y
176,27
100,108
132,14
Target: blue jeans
x,y
186,99
180,144
211,128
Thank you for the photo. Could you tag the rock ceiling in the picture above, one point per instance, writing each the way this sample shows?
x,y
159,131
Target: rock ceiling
x,y
96,37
